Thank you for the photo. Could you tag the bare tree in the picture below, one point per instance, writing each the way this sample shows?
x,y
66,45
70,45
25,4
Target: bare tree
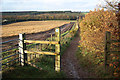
x,y
110,5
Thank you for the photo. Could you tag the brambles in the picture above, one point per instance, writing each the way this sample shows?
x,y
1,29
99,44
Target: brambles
x,y
93,28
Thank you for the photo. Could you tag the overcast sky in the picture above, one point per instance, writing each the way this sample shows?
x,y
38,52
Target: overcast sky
x,y
48,5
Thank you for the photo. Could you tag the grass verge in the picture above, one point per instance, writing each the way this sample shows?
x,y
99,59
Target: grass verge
x,y
47,70
92,65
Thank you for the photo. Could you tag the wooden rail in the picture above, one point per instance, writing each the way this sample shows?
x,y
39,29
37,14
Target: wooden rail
x,y
9,41
42,42
35,52
9,54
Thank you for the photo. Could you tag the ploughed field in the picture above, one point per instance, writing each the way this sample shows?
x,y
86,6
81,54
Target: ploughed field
x,y
30,27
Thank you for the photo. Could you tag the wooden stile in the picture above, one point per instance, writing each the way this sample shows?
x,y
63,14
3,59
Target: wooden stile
x,y
33,54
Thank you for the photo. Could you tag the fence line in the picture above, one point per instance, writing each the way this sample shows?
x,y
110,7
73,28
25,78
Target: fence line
x,y
9,41
16,57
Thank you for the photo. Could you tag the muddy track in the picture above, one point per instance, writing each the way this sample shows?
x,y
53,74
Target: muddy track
x,y
69,62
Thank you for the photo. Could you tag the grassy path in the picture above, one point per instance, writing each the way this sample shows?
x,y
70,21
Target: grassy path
x,y
70,63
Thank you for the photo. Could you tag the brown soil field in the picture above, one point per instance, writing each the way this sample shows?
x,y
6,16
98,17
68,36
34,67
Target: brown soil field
x,y
30,27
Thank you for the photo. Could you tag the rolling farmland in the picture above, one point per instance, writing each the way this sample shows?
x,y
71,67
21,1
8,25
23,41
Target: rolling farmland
x,y
30,27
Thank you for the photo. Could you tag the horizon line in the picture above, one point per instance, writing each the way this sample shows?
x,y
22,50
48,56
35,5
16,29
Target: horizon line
x,y
42,11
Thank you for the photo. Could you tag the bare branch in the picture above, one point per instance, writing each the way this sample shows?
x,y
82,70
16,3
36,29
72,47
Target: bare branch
x,y
110,5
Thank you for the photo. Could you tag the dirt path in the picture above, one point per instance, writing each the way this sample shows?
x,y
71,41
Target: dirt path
x,y
70,63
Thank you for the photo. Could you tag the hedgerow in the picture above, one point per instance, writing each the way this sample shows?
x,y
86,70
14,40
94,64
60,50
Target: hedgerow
x,y
92,33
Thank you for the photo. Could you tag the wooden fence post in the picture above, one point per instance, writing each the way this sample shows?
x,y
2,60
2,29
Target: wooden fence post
x,y
107,47
57,50
22,47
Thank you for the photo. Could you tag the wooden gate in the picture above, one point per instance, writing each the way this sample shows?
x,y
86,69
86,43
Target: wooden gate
x,y
23,52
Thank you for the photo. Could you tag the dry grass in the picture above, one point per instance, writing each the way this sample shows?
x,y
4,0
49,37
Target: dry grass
x,y
29,27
